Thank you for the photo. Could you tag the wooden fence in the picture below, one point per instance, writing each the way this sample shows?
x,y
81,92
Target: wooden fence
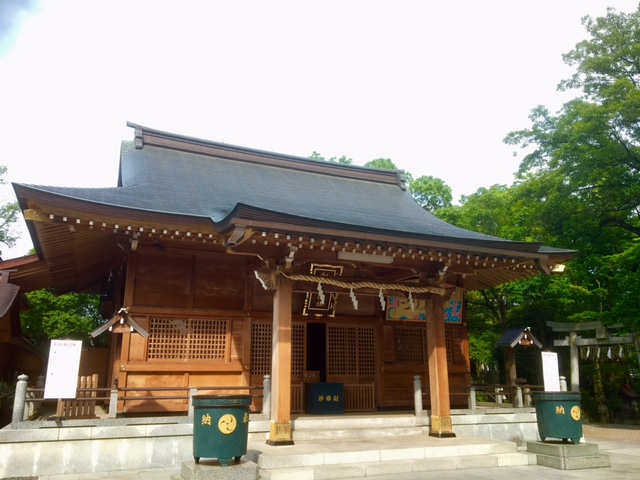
x,y
84,405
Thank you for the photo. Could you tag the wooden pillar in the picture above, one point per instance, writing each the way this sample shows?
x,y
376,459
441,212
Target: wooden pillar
x,y
280,426
441,425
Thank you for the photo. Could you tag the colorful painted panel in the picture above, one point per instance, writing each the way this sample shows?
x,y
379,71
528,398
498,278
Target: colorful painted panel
x,y
453,308
399,308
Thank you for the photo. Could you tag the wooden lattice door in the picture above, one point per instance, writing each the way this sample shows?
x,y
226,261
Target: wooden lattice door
x,y
350,353
261,350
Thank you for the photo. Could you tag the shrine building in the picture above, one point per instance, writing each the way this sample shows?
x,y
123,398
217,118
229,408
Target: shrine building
x,y
233,263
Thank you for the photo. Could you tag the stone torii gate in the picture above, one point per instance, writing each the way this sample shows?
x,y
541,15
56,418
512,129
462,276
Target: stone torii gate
x,y
602,338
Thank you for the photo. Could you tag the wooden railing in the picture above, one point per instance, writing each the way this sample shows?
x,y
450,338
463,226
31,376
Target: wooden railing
x,y
359,398
502,395
79,406
497,395
297,398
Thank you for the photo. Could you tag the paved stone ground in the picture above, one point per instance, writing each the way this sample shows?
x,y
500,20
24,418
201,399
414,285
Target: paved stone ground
x,y
621,443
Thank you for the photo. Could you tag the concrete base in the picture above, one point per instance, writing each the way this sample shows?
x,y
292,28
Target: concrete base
x,y
38,448
564,456
211,470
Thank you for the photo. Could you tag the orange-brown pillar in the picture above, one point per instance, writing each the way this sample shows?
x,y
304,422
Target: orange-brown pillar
x,y
441,425
280,427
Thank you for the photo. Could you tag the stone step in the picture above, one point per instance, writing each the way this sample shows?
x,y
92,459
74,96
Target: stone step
x,y
566,456
354,426
362,458
573,463
315,422
356,433
346,458
390,467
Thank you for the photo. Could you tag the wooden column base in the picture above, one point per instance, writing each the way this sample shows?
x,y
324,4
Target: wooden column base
x,y
441,427
280,434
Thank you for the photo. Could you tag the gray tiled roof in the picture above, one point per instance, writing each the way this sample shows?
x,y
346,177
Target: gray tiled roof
x,y
176,182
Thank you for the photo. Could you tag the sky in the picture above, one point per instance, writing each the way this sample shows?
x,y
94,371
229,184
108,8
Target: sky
x,y
434,86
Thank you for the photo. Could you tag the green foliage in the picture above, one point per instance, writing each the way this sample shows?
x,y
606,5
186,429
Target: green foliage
x,y
582,170
488,211
602,381
72,315
343,159
622,273
8,216
609,55
381,164
482,347
431,193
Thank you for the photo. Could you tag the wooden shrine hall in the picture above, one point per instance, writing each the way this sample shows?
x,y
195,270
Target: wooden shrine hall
x,y
238,263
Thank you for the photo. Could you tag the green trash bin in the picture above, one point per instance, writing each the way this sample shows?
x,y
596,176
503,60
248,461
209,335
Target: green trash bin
x,y
559,415
220,427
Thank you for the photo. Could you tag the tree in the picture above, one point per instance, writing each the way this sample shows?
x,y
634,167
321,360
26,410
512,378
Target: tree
x,y
381,164
343,159
508,212
588,158
8,216
431,193
486,211
52,317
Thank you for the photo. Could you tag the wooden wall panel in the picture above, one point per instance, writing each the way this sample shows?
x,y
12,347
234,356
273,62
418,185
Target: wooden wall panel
x,y
199,380
5,329
237,339
150,380
137,348
163,279
95,360
219,282
398,385
457,334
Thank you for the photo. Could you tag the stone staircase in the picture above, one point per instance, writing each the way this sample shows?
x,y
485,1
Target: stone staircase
x,y
328,447
325,446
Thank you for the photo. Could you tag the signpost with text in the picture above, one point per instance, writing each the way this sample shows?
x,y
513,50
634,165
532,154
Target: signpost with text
x,y
62,371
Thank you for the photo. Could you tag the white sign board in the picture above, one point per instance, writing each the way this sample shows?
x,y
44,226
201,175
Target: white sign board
x,y
62,371
550,372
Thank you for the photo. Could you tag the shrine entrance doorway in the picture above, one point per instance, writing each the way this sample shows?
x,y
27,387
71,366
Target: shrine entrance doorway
x,y
317,350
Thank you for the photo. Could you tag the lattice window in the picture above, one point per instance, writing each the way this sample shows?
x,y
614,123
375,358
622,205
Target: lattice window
x,y
341,350
410,344
366,351
261,348
297,349
261,340
448,345
188,339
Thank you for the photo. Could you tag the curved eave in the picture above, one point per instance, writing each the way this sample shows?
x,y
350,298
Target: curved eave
x,y
80,240
31,197
250,216
82,210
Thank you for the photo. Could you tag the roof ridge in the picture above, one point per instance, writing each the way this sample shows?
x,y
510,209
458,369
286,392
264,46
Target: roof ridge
x,y
148,136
